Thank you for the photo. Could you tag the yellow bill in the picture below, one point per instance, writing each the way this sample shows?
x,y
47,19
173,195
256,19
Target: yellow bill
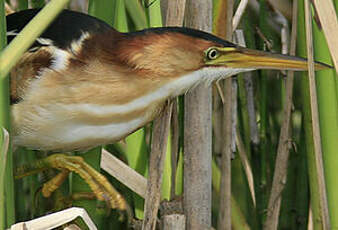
x,y
239,57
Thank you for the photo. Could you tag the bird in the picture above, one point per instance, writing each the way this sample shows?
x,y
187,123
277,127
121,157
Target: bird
x,y
83,84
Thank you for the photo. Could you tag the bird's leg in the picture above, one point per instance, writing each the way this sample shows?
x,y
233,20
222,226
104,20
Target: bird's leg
x,y
50,186
97,182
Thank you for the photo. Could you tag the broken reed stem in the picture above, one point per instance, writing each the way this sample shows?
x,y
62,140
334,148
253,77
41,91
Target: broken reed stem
x,y
156,164
284,146
315,119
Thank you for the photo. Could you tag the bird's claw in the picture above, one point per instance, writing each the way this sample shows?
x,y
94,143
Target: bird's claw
x,y
100,186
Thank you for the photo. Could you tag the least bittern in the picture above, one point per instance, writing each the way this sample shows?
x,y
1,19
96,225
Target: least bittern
x,y
83,84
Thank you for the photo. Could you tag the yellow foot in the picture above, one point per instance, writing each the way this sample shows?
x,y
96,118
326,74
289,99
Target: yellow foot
x,y
100,186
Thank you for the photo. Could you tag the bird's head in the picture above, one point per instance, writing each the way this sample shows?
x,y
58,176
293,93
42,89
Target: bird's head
x,y
192,56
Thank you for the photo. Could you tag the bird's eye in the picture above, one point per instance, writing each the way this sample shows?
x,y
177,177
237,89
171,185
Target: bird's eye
x,y
212,54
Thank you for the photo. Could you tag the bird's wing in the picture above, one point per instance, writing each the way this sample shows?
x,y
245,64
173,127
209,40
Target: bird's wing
x,y
62,35
28,69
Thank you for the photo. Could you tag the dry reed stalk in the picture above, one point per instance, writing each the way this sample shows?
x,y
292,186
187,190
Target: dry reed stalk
x,y
156,164
122,172
197,134
284,146
55,220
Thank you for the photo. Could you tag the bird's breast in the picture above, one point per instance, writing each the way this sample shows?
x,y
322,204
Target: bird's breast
x,y
61,127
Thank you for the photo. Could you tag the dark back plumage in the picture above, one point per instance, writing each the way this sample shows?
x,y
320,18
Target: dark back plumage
x,y
67,27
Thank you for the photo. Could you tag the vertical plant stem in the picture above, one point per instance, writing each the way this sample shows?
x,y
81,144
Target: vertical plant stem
x,y
263,148
197,134
7,207
328,113
307,124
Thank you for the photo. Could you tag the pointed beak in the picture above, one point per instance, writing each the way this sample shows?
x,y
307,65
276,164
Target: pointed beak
x,y
243,58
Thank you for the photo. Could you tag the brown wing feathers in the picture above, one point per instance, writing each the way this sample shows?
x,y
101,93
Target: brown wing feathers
x,y
28,69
